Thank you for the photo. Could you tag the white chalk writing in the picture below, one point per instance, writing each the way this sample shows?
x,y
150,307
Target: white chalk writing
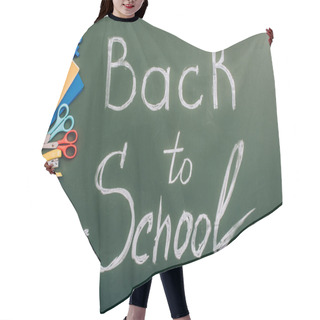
x,y
123,63
165,226
174,151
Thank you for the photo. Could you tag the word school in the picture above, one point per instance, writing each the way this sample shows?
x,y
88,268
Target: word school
x,y
121,62
186,217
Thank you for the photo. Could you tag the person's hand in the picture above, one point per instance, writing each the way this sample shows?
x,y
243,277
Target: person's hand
x,y
49,168
270,34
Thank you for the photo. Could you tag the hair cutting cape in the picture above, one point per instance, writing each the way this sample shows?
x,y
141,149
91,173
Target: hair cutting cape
x,y
167,152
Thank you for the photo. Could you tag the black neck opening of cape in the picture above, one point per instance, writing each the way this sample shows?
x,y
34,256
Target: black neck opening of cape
x,y
111,16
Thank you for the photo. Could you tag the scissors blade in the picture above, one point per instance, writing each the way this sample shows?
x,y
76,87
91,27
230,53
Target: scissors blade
x,y
50,145
47,139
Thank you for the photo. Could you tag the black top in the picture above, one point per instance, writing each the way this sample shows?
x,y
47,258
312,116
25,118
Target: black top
x,y
113,17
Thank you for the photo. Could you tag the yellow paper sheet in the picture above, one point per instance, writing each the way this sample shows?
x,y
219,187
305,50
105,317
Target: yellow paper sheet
x,y
73,71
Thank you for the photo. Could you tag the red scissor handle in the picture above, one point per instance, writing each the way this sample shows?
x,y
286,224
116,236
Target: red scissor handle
x,y
65,144
65,139
64,149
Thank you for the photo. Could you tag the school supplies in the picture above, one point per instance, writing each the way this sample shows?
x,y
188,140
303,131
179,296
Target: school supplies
x,y
60,123
66,145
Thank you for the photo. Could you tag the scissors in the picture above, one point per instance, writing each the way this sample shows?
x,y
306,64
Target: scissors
x,y
59,124
65,144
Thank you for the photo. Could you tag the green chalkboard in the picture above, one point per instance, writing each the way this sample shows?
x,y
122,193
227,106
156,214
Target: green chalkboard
x,y
176,149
